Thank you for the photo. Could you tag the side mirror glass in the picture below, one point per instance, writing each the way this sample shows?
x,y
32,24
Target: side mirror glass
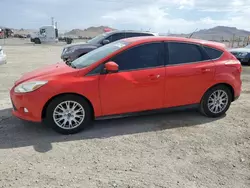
x,y
111,67
105,41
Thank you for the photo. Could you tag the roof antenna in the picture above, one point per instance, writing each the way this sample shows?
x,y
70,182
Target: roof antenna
x,y
192,33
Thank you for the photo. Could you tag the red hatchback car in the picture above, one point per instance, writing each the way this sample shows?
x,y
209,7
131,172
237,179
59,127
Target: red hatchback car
x,y
131,75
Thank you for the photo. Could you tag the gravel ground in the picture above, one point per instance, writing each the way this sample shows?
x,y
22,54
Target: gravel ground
x,y
181,149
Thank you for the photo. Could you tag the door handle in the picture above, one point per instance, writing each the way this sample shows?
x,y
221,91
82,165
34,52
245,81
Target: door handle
x,y
154,77
205,70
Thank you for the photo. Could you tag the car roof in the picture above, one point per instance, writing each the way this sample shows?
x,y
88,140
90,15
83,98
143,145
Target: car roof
x,y
144,39
131,31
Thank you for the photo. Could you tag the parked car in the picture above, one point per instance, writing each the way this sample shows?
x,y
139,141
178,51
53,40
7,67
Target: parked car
x,y
128,76
242,54
2,57
74,51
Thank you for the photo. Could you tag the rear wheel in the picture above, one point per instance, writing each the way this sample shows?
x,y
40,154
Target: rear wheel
x,y
68,114
216,101
37,41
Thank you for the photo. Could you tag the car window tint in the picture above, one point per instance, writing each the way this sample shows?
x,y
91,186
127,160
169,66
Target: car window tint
x,y
116,36
213,53
184,53
132,35
144,56
146,34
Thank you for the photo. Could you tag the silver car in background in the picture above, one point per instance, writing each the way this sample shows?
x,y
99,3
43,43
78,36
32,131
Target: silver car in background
x,y
3,59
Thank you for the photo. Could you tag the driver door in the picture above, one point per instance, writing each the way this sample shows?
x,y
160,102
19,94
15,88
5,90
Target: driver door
x,y
139,84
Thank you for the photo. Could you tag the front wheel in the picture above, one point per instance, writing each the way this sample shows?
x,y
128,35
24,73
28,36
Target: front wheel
x,y
216,101
68,114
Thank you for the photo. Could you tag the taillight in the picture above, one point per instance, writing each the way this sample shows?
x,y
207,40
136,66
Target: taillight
x,y
235,63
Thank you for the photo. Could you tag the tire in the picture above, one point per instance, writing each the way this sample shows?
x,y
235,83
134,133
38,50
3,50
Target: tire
x,y
37,41
52,113
208,97
69,40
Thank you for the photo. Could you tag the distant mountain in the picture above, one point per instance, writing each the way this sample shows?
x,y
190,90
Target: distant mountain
x,y
218,33
89,32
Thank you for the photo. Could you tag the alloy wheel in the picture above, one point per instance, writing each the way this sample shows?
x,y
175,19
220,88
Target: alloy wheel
x,y
69,115
217,101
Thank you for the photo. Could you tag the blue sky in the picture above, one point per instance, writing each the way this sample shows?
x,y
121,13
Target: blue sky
x,y
179,16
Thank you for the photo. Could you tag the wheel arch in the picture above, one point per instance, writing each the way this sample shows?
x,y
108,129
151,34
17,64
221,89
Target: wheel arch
x,y
230,87
63,94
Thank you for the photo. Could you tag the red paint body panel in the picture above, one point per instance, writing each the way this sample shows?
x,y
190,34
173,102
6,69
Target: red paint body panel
x,y
185,84
130,91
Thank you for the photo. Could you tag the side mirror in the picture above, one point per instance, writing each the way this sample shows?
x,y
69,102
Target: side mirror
x,y
105,41
111,67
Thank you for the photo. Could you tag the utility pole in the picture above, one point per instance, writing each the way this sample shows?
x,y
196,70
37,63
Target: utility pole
x,y
52,21
233,40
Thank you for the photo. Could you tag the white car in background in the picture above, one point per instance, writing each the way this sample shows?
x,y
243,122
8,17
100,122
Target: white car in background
x,y
2,57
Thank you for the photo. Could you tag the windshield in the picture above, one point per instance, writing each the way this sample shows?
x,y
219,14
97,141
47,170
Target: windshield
x,y
98,54
97,39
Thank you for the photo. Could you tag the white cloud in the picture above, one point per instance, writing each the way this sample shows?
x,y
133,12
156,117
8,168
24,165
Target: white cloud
x,y
152,15
159,15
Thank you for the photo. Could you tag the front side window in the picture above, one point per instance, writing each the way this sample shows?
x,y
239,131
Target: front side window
x,y
180,53
98,39
140,57
98,54
42,31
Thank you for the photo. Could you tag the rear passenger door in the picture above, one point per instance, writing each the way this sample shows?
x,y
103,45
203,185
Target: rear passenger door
x,y
189,73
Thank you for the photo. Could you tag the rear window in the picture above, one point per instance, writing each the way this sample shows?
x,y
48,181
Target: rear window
x,y
213,53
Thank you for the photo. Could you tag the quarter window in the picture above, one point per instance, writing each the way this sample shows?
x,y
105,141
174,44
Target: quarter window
x,y
184,53
213,53
140,57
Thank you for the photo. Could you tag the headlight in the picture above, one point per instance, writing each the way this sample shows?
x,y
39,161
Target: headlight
x,y
68,50
29,86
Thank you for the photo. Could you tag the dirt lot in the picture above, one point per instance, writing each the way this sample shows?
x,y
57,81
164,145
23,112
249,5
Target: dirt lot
x,y
182,149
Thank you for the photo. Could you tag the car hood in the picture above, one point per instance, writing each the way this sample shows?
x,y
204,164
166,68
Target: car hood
x,y
240,50
47,72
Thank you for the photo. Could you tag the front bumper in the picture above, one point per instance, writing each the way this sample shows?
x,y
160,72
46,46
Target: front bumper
x,y
26,106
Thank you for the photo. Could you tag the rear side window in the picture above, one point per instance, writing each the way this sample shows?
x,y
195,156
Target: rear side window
x,y
213,53
180,53
116,36
146,34
132,35
137,34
